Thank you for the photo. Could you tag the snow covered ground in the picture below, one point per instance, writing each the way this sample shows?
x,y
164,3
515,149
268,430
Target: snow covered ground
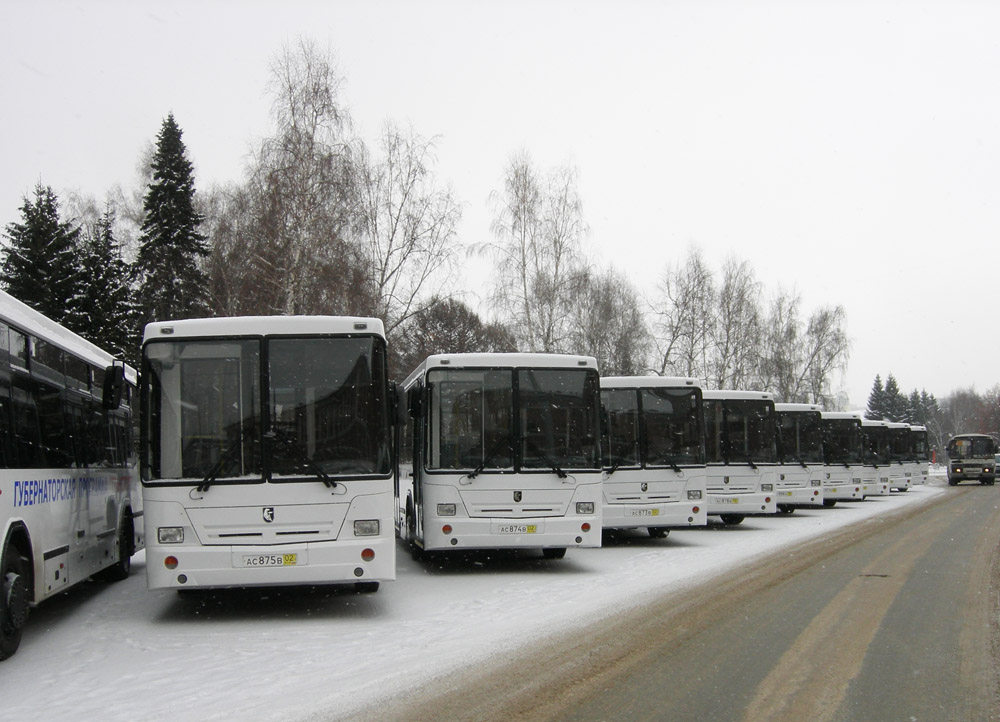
x,y
119,652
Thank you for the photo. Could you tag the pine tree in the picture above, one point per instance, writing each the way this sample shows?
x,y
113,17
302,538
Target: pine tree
x,y
107,294
915,410
171,282
41,264
876,401
893,404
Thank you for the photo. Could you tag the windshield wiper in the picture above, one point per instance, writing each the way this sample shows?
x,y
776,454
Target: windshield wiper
x,y
494,450
305,462
544,457
227,457
746,458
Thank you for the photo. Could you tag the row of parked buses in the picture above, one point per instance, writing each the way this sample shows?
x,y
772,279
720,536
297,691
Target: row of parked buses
x,y
276,451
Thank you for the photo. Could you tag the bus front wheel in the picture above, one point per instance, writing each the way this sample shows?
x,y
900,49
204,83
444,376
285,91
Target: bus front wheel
x,y
732,519
657,532
13,599
554,553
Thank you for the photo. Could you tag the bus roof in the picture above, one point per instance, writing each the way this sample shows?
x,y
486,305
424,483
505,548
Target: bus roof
x,y
500,360
637,382
22,316
736,395
874,422
797,407
262,326
856,415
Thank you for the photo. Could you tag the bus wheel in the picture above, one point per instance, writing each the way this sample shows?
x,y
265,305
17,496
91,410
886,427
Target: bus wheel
x,y
657,532
554,553
829,503
123,567
952,482
13,599
785,509
366,587
732,519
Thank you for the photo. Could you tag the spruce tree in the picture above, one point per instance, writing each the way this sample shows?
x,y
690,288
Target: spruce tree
x,y
915,410
876,401
107,293
170,280
893,404
41,264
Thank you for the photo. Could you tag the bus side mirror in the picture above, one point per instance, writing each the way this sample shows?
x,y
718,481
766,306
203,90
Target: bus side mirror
x,y
114,385
413,401
397,403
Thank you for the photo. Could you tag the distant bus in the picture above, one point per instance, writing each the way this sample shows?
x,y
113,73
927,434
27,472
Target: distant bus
x,y
69,493
971,458
740,453
501,451
266,452
901,453
800,453
920,451
878,458
843,457
654,456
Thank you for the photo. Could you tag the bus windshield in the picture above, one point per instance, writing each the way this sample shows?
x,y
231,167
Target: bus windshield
x,y
473,414
323,402
800,437
843,441
877,447
971,447
749,431
671,426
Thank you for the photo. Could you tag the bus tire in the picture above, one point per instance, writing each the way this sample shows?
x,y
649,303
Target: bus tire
x,y
14,598
366,587
785,509
829,503
554,552
732,519
120,570
952,482
657,532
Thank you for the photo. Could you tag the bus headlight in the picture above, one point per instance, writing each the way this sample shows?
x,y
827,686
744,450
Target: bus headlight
x,y
815,482
446,510
767,487
366,527
170,535
584,507
694,494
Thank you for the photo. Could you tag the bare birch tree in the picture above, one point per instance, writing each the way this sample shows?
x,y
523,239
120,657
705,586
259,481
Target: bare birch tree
x,y
827,350
538,228
610,326
737,328
780,362
405,225
682,318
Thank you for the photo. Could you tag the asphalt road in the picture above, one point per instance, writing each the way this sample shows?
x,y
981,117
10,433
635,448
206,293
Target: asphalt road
x,y
895,618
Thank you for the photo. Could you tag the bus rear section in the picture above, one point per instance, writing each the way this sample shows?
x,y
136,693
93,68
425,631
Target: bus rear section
x,y
920,451
501,451
654,458
971,457
901,468
843,457
800,455
740,453
266,453
877,467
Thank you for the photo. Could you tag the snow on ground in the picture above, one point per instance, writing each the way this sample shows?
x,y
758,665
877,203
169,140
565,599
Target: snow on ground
x,y
120,652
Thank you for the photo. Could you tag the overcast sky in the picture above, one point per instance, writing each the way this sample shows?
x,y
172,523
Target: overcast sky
x,y
847,150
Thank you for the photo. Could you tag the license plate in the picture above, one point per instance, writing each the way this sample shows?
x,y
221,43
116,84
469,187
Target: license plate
x,y
727,500
270,560
644,512
785,493
833,490
515,529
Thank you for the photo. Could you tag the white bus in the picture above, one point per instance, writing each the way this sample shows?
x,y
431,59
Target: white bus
x,y
501,451
654,455
800,453
740,453
878,458
266,452
69,492
920,452
843,457
901,453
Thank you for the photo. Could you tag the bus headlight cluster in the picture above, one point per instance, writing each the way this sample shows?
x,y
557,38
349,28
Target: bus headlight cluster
x,y
815,482
170,535
446,510
767,487
366,527
584,507
694,494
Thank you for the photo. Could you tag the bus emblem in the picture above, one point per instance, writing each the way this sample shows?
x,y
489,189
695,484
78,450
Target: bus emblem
x,y
268,514
517,496
645,486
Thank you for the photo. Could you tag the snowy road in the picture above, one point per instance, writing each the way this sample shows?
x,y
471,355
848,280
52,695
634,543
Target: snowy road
x,y
119,652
